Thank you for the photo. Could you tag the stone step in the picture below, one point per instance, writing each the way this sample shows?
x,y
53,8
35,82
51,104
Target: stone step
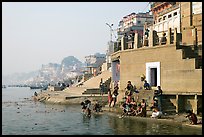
x,y
167,107
169,111
92,91
95,81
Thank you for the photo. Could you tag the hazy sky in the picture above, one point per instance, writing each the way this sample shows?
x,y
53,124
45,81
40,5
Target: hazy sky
x,y
36,33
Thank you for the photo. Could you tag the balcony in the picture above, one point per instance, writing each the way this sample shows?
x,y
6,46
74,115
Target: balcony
x,y
130,29
174,7
156,4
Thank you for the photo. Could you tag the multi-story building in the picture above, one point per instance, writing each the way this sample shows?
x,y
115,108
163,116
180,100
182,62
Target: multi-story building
x,y
94,63
131,24
134,23
166,15
176,66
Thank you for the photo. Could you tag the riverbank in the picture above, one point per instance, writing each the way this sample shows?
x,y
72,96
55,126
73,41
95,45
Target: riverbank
x,y
70,96
76,97
177,119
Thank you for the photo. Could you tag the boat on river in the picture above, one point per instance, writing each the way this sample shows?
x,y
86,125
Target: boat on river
x,y
39,87
3,86
36,87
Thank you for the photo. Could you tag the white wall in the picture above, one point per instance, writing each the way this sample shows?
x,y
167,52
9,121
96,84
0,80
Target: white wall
x,y
172,22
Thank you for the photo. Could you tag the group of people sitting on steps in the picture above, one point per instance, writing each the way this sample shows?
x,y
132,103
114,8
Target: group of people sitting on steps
x,y
131,107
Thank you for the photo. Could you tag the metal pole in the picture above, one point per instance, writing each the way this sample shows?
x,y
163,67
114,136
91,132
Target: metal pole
x,y
111,30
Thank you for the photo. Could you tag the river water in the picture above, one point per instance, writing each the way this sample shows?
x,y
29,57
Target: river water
x,y
22,116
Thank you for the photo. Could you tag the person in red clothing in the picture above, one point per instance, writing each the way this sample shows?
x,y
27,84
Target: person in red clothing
x,y
129,91
192,117
110,99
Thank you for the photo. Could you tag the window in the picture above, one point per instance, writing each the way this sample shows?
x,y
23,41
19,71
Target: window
x,y
160,19
169,16
139,22
175,13
164,17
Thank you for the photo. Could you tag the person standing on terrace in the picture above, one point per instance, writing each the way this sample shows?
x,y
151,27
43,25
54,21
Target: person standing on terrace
x,y
110,99
158,95
129,91
115,94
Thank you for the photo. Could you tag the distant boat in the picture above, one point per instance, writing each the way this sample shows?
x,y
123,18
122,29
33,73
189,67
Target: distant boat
x,y
3,86
38,87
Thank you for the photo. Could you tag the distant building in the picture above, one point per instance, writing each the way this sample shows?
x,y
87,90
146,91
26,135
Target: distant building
x,y
94,63
134,23
129,26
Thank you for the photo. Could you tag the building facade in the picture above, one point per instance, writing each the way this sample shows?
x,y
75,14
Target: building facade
x,y
166,15
94,63
131,24
175,67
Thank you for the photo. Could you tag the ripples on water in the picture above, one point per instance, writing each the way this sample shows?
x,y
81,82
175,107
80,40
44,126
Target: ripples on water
x,y
22,116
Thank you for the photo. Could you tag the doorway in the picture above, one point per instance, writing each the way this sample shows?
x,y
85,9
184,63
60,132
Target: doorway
x,y
153,77
153,73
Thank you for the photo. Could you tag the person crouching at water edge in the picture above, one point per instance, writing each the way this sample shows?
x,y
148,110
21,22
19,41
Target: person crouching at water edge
x,y
156,113
193,118
128,110
86,105
97,107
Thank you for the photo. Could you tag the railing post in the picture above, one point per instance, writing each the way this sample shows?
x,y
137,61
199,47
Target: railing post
x,y
136,41
151,38
195,108
122,43
169,36
175,37
177,101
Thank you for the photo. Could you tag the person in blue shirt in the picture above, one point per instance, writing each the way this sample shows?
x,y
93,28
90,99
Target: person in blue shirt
x,y
146,85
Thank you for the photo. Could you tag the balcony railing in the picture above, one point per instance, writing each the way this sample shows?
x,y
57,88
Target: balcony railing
x,y
122,31
168,10
155,4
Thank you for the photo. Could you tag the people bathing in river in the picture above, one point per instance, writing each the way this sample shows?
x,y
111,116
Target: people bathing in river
x,y
83,107
97,107
86,107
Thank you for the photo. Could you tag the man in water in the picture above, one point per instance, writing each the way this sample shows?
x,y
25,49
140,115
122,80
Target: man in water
x,y
88,107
